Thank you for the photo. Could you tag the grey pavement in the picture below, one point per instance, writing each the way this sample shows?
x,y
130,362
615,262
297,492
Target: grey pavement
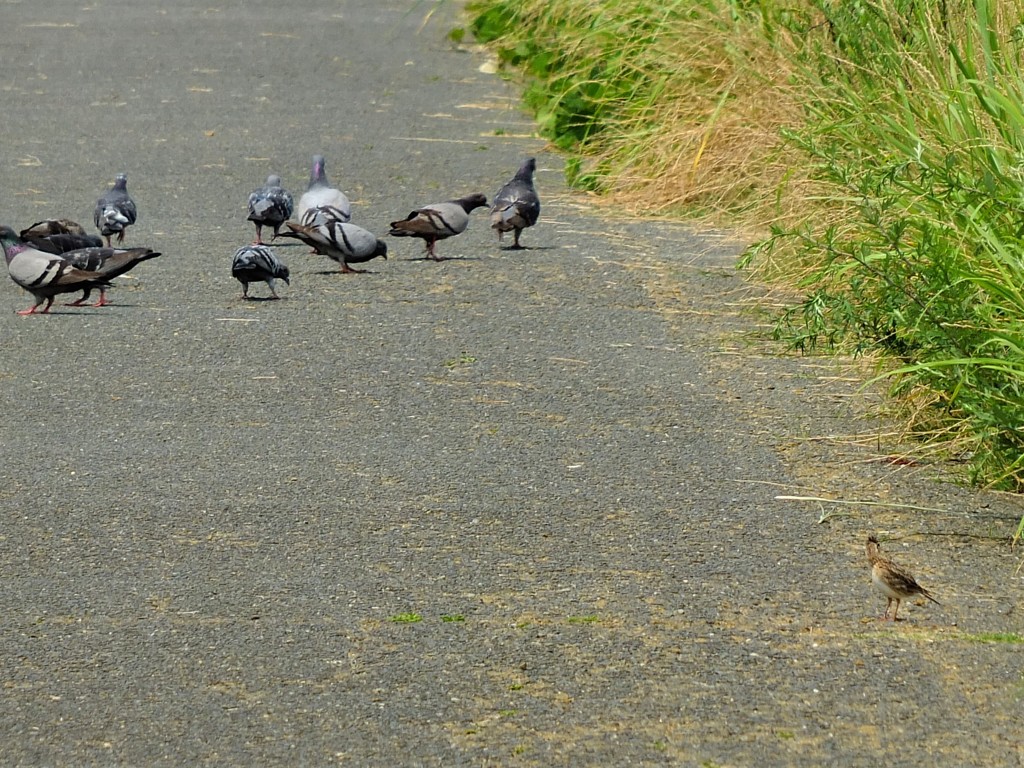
x,y
513,508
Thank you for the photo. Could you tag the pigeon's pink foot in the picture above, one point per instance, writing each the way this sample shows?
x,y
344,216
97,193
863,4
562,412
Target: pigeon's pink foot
x,y
36,310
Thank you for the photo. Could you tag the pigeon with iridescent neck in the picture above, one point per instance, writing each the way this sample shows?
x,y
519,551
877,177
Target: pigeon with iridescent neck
x,y
46,275
320,193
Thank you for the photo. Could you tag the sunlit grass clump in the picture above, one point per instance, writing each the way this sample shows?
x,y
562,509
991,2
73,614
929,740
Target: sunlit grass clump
x,y
874,148
668,106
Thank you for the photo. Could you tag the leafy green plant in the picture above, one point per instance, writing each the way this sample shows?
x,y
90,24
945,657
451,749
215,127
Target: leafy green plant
x,y
918,129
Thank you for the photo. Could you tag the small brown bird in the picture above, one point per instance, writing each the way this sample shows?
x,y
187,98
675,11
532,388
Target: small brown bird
x,y
893,581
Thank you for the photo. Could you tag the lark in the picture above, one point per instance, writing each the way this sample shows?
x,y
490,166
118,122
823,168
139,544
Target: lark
x,y
893,581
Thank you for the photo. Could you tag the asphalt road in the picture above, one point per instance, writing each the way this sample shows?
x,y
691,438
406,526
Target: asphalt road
x,y
513,508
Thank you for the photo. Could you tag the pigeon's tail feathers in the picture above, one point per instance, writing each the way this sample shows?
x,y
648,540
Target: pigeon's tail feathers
x,y
111,217
260,208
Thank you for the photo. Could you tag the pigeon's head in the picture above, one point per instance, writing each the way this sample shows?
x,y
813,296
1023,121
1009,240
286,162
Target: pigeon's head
x,y
318,174
8,236
381,249
273,180
121,181
527,169
284,274
11,242
472,202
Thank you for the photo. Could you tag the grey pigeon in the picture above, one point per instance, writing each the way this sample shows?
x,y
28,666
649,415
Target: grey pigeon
x,y
438,221
320,193
255,263
330,234
115,211
271,205
516,205
46,275
107,261
67,242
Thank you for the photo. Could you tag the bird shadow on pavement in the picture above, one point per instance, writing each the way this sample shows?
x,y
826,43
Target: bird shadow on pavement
x,y
441,258
62,312
339,272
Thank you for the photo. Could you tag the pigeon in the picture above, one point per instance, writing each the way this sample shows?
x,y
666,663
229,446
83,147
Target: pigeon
x,y
110,262
256,262
46,275
438,221
48,227
115,211
59,236
892,580
320,193
270,205
63,242
330,233
67,242
516,206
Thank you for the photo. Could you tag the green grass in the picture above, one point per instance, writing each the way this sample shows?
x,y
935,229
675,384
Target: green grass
x,y
461,361
1012,638
872,148
406,618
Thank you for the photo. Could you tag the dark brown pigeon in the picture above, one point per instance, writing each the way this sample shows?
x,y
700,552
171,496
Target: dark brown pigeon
x,y
438,221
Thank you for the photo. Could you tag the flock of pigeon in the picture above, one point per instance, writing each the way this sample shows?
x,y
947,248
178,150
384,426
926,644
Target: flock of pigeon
x,y
57,256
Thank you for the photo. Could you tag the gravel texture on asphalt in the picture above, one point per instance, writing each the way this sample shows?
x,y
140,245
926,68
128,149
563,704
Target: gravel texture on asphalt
x,y
512,508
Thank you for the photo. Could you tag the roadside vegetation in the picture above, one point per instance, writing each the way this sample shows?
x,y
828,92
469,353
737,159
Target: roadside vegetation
x,y
872,150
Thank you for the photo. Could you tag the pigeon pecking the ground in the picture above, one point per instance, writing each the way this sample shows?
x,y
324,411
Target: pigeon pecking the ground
x,y
63,242
115,211
516,205
892,580
255,263
271,205
48,227
320,193
46,275
438,221
330,234
59,236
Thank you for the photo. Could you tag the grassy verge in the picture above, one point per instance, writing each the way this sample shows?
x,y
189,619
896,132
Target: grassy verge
x,y
873,149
